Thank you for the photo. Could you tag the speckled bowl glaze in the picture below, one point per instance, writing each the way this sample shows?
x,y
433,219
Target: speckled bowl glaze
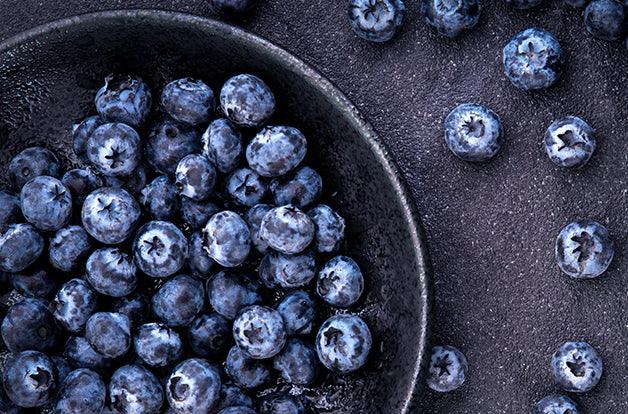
x,y
48,78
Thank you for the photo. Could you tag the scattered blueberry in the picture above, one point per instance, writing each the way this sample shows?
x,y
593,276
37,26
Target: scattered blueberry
x,y
46,203
10,208
193,387
376,20
246,187
287,271
20,246
167,143
195,177
135,390
340,282
111,272
227,239
556,404
133,183
81,133
577,367
199,262
74,304
157,345
197,213
281,404
31,163
259,331
604,19
233,396
247,101
179,300
114,149
473,132
33,283
524,4
80,182
134,306
300,189
222,145
570,142
447,370
123,99
287,229
80,354
29,324
209,335
245,371
451,18
297,363
533,59
253,218
298,311
109,333
228,293
276,150
29,379
231,7
160,249
330,228
159,198
188,100
584,249
83,391
343,343
69,247
110,215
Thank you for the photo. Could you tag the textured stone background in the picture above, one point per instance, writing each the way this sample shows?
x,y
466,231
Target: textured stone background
x,y
498,294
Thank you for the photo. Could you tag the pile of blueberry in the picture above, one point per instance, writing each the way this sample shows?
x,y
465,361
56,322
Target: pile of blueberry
x,y
181,265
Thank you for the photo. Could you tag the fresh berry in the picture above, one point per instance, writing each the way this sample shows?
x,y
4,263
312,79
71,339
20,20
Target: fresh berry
x,y
281,404
228,293
62,368
83,391
570,142
188,100
80,182
584,249
233,396
246,187
74,304
29,324
159,198
111,272
577,367
247,101
80,354
134,390
287,230
451,18
376,20
114,149
298,311
195,177
109,333
196,214
524,4
276,150
33,283
227,239
604,19
253,218
20,246
123,99
46,203
343,343
259,331
69,247
556,404
29,379
157,345
222,145
160,249
297,363
31,163
134,306
110,215
81,133
287,271
10,208
300,189
134,183
340,282
179,300
447,369
209,335
473,132
167,143
231,7
199,262
245,371
330,228
193,387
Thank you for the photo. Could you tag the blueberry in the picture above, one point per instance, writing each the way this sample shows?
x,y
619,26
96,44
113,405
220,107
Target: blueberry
x,y
167,143
189,101
343,343
134,306
576,3
160,249
577,367
228,293
330,228
109,333
556,404
111,272
524,4
287,229
197,213
340,282
298,311
31,163
297,363
246,187
199,261
135,390
281,404
376,20
123,99
10,208
570,142
259,331
74,304
276,150
245,371
179,300
80,354
231,7
157,345
233,396
253,218
193,386
451,18
83,391
46,203
300,189
62,368
133,183
81,133
29,379
227,239
222,145
604,19
247,101
20,246
473,132
287,271
33,283
584,249
159,198
209,335
68,247
447,370
29,324
81,182
533,59
237,409
114,149
110,215
195,177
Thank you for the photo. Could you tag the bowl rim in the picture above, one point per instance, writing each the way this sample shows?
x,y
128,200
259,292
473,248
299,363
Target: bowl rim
x,y
317,81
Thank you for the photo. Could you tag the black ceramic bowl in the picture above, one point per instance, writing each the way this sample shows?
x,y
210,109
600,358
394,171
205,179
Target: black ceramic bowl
x,y
48,77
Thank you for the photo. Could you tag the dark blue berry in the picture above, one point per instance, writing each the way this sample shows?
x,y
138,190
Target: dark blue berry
x,y
298,311
577,367
584,249
376,20
29,324
330,228
159,198
160,249
228,293
556,404
231,7
80,354
123,99
31,163
287,229
81,133
246,187
450,18
576,3
300,189
209,335
167,143
157,345
447,369
253,218
570,142
237,409
193,387
604,19
188,100
195,177
20,246
115,149
533,59
287,271
245,371
74,304
111,272
33,283
297,363
247,101
83,391
179,300
109,333
62,368
134,183
343,343
133,389
227,239
340,282
69,247
134,306
222,145
29,379
473,132
196,214
524,4
10,209
233,396
281,404
259,331
46,203
110,215
276,150
81,182
199,261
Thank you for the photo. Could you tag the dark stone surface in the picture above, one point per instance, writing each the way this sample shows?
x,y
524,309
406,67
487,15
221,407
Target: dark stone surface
x,y
499,295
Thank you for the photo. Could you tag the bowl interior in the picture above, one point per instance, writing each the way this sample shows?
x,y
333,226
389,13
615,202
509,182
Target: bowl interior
x,y
48,78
